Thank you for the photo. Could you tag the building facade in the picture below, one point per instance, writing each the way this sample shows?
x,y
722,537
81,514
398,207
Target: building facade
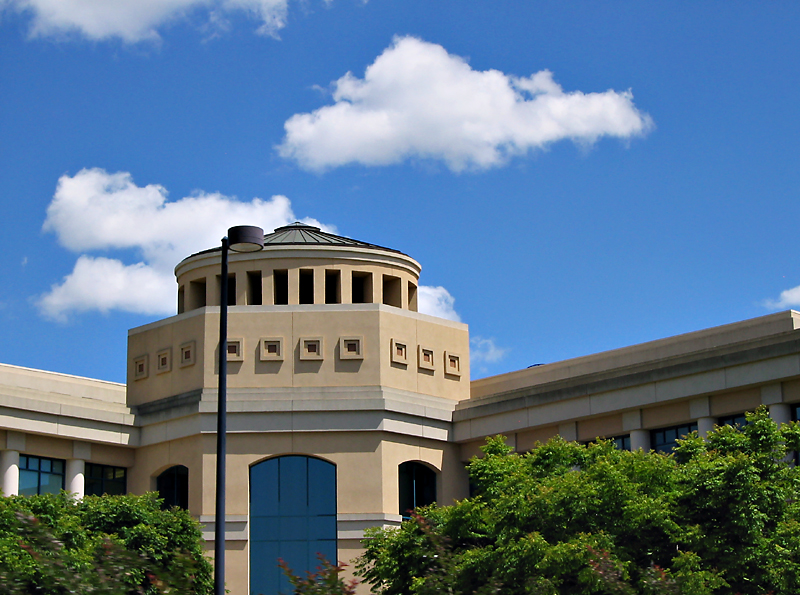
x,y
347,407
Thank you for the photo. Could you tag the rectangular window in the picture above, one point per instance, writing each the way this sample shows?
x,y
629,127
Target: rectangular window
x,y
392,295
425,358
362,288
271,349
412,297
104,479
333,287
281,285
38,475
187,354
181,299
452,364
235,350
311,348
197,294
306,286
399,352
351,348
622,442
732,420
140,370
664,440
164,361
231,289
254,288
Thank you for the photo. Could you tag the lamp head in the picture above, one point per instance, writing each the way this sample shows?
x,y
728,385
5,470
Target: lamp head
x,y
245,238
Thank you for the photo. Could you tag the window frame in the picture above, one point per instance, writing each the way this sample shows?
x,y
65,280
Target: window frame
x,y
27,459
89,479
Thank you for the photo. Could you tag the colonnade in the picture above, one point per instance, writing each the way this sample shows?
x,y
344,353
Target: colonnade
x,y
74,470
771,396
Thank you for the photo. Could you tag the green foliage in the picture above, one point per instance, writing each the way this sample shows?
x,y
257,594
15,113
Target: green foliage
x,y
52,544
718,516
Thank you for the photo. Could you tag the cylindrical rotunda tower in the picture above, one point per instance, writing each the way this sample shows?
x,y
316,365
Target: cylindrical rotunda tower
x,y
340,398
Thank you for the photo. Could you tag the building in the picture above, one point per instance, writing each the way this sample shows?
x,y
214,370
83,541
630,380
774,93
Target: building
x,y
346,406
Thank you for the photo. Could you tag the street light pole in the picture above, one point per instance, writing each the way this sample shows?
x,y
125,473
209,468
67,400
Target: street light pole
x,y
243,238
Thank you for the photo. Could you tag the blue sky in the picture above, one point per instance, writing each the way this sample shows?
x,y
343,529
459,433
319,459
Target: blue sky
x,y
573,176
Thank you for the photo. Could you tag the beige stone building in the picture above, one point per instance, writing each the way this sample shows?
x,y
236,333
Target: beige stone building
x,y
346,406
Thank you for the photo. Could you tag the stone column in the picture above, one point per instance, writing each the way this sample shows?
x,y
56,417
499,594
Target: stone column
x,y
772,397
9,472
632,422
700,409
640,439
781,413
76,468
75,478
705,425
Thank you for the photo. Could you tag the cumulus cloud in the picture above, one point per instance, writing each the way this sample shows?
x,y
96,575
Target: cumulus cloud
x,y
789,298
105,284
98,211
418,101
484,351
138,20
437,301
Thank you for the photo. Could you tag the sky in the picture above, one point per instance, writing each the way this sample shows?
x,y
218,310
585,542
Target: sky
x,y
573,176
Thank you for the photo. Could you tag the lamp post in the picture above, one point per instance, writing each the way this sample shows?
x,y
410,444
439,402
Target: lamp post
x,y
242,238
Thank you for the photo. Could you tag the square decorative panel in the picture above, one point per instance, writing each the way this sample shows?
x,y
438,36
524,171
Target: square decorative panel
x,y
188,354
163,361
399,352
235,350
351,348
271,349
311,348
140,365
452,363
425,358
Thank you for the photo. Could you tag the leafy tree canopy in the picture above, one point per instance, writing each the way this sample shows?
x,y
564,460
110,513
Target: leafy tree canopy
x,y
54,544
719,515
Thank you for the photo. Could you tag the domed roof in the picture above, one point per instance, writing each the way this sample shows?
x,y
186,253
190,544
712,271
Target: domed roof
x,y
302,234
299,233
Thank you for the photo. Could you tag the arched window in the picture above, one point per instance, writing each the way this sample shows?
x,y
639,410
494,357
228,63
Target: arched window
x,y
292,516
417,484
173,486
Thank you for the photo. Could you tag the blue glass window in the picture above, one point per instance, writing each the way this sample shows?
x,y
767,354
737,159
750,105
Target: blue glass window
x,y
293,517
732,420
104,479
664,440
622,442
38,475
417,484
173,486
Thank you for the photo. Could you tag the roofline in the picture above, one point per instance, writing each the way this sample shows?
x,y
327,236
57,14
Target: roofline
x,y
322,251
676,346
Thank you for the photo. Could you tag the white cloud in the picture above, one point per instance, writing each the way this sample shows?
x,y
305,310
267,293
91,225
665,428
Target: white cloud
x,y
137,20
99,211
789,298
437,301
105,284
484,351
416,100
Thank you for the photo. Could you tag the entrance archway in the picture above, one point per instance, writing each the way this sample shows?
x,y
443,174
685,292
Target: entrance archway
x,y
292,516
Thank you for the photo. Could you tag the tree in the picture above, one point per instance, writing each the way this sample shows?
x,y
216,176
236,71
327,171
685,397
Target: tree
x,y
54,544
327,580
720,515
